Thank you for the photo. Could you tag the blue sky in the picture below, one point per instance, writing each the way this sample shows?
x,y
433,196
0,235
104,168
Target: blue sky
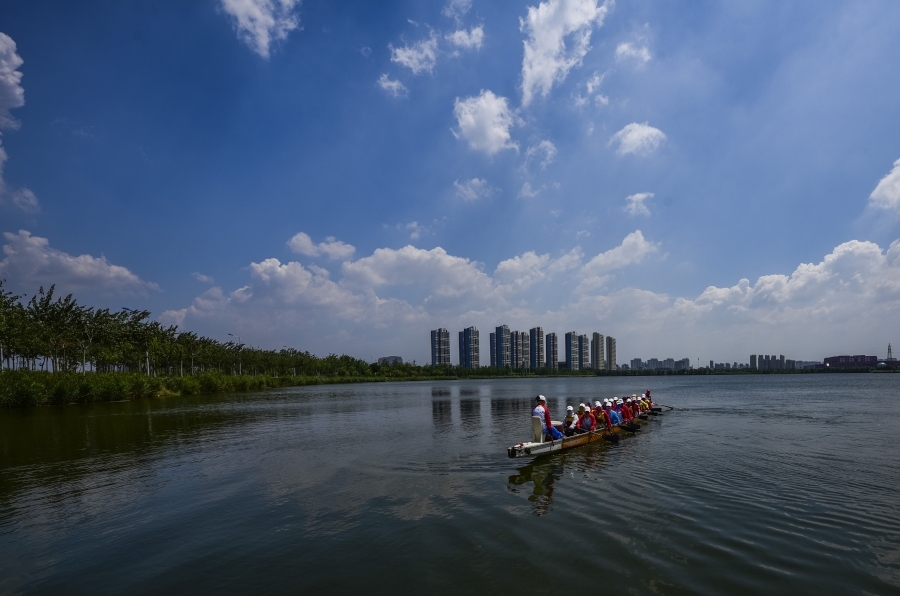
x,y
346,176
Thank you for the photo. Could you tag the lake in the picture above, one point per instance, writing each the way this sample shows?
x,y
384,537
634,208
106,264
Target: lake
x,y
775,484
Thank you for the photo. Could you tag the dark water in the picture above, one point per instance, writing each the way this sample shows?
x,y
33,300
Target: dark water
x,y
756,485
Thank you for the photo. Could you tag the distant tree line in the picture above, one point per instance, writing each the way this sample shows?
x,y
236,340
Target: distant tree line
x,y
57,334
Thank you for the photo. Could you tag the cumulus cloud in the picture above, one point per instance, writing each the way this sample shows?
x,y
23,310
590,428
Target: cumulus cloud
x,y
635,203
887,194
260,23
419,57
12,95
484,121
639,139
629,51
205,279
548,59
473,189
631,252
302,244
30,262
392,86
469,40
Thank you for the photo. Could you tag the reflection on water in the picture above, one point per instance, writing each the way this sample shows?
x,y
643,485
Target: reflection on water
x,y
470,415
442,415
467,391
440,392
541,473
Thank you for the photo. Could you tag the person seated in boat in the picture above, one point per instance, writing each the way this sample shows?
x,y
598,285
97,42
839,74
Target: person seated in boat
x,y
648,398
624,411
614,417
602,417
543,412
569,422
586,421
635,409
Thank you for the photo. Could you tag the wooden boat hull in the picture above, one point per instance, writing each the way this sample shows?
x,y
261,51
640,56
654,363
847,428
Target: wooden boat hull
x,y
547,447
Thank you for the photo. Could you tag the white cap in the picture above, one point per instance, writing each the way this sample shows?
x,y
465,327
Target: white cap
x,y
541,398
569,408
580,405
597,404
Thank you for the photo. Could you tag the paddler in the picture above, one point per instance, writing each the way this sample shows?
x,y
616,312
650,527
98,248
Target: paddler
x,y
569,422
601,416
543,412
614,417
586,421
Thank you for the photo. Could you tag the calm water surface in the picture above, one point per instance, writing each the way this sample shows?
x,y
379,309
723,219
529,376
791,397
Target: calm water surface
x,y
754,485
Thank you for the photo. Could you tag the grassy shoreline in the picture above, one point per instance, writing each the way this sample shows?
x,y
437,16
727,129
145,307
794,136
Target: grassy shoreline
x,y
24,388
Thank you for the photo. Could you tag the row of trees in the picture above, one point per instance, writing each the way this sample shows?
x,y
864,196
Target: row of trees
x,y
52,333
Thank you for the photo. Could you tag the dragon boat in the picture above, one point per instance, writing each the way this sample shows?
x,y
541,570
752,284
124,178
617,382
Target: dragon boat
x,y
541,445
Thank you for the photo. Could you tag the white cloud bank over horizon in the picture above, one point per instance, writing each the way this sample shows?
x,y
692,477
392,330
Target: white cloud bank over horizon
x,y
29,262
388,301
887,194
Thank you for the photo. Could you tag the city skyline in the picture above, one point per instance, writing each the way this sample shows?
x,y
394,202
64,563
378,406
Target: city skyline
x,y
696,179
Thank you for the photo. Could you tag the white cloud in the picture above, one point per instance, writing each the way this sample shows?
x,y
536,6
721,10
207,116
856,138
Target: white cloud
x,y
205,279
473,189
547,58
468,40
301,243
30,262
392,87
12,96
260,23
419,57
456,9
629,51
638,139
544,153
631,252
484,121
635,203
887,194
415,230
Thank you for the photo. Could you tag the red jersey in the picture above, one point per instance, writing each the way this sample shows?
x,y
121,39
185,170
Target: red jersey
x,y
586,421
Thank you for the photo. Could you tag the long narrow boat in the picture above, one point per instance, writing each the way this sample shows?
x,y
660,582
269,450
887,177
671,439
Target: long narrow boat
x,y
540,446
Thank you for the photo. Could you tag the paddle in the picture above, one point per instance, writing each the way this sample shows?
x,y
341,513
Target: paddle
x,y
670,407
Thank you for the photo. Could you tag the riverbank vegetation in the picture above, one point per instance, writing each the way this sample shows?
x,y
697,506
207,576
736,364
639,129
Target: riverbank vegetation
x,y
54,350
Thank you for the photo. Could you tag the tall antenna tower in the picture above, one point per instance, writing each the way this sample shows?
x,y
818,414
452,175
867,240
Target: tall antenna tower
x,y
890,355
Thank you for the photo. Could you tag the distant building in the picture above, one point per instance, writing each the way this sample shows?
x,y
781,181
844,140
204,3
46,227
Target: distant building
x,y
636,364
536,341
711,364
552,352
611,353
572,350
584,352
520,349
598,354
851,361
493,350
390,360
440,347
753,361
503,357
469,349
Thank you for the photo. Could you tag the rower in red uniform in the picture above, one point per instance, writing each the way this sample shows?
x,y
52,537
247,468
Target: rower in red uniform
x,y
586,421
625,412
602,417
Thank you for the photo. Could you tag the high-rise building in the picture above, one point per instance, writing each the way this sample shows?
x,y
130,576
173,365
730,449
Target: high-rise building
x,y
440,347
584,352
636,364
469,348
493,349
753,361
552,352
781,362
611,353
598,354
536,343
712,364
520,349
572,350
503,357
